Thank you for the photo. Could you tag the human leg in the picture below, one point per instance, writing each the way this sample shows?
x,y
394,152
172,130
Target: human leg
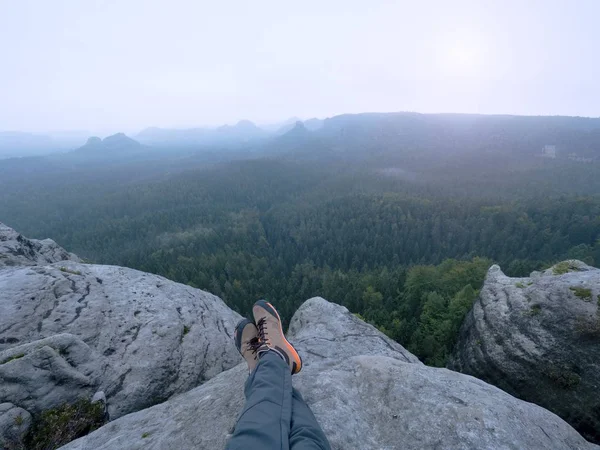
x,y
266,417
275,415
305,432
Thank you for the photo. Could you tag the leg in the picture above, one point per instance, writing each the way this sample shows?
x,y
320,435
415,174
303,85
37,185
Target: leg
x,y
265,419
305,432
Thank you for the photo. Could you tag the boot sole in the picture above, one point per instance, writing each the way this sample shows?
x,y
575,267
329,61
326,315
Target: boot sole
x,y
296,359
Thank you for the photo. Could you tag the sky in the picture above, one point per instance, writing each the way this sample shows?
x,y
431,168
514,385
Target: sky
x,y
123,65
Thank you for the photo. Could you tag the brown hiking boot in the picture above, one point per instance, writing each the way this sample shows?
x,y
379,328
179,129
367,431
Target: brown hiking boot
x,y
247,343
271,337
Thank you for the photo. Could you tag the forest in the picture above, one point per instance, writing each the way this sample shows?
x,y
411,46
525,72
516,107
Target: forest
x,y
404,241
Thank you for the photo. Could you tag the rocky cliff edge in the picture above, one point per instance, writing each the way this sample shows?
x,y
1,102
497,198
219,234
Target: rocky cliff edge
x,y
538,338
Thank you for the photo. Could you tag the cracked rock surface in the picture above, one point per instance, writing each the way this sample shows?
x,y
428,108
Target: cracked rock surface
x,y
44,374
17,250
14,423
367,393
538,338
148,338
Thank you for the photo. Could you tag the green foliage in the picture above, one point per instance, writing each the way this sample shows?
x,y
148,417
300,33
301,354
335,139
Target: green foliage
x,y
520,285
145,435
400,253
73,272
440,297
12,358
582,293
560,268
588,327
186,330
563,267
534,310
562,376
56,427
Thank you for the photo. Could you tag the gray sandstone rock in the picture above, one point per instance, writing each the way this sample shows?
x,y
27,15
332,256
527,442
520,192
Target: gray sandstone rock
x,y
17,250
100,397
367,393
538,338
159,337
47,373
14,424
325,330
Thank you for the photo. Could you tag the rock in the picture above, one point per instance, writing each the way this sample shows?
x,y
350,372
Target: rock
x,y
366,391
538,338
17,250
47,373
325,330
159,337
100,397
14,425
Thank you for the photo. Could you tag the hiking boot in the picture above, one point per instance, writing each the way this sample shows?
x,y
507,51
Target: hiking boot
x,y
271,337
247,343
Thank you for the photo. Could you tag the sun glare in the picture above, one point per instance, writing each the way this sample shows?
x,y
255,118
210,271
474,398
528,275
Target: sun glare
x,y
462,59
462,56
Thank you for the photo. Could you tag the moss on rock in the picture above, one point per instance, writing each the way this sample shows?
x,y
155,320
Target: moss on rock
x,y
582,293
59,426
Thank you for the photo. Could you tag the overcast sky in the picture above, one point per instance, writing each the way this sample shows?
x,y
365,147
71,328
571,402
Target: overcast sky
x,y
127,64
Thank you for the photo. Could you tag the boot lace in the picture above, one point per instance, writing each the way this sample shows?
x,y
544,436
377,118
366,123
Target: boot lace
x,y
253,345
262,330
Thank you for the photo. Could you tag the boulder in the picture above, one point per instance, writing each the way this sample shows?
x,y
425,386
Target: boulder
x,y
14,425
326,331
538,338
366,391
158,337
47,373
17,250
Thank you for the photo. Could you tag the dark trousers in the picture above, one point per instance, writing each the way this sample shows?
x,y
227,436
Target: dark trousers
x,y
275,416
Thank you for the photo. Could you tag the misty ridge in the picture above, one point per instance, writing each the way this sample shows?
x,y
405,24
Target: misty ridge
x,y
398,132
481,153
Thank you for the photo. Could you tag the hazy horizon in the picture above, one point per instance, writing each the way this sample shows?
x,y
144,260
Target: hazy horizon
x,y
113,66
102,133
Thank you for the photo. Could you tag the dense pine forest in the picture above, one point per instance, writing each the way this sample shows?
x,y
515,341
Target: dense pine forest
x,y
402,238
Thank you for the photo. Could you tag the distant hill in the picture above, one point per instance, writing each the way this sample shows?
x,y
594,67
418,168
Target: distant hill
x,y
227,135
297,131
310,124
313,124
19,144
113,148
18,140
116,143
243,131
281,127
449,135
16,143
